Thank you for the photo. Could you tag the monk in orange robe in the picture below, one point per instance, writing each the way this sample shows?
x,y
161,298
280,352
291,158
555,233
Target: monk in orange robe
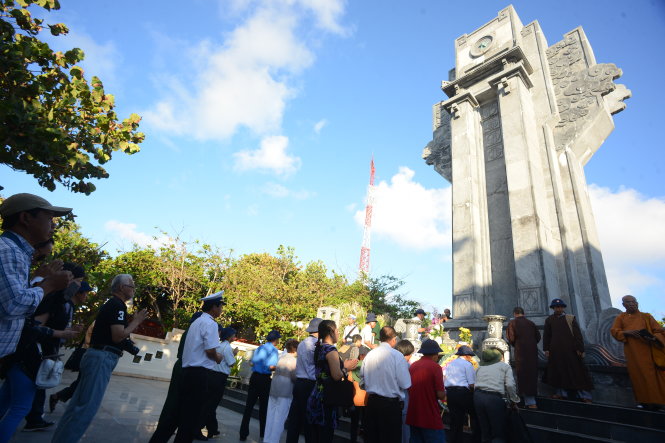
x,y
648,381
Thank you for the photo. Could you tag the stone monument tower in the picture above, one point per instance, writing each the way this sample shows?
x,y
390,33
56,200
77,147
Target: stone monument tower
x,y
521,121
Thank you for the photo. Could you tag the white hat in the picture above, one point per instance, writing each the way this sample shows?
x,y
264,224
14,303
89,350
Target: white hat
x,y
213,297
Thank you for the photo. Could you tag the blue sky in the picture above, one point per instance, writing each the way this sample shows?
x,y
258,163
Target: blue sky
x,y
261,119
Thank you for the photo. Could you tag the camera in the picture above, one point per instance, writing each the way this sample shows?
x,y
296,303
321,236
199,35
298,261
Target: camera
x,y
128,346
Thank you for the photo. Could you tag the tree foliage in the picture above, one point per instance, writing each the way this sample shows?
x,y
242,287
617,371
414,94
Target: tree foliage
x,y
387,301
263,291
54,125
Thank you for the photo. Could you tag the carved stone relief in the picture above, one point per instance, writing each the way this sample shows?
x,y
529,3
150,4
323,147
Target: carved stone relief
x,y
437,152
491,123
579,88
531,301
462,306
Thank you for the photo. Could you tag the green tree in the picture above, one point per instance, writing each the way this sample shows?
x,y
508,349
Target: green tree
x,y
55,126
266,292
386,300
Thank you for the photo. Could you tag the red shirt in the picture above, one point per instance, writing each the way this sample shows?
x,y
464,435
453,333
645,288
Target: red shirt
x,y
426,379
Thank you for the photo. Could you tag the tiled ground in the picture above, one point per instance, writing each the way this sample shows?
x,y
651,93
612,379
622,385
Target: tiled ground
x,y
129,413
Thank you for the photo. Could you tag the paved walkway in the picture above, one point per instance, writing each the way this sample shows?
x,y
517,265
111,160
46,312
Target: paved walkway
x,y
129,413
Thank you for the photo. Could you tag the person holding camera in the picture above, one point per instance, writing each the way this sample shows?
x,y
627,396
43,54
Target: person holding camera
x,y
110,337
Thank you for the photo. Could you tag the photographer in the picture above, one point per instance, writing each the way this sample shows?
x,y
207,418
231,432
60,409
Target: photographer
x,y
110,337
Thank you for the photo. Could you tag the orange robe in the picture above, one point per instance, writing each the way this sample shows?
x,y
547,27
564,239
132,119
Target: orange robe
x,y
648,381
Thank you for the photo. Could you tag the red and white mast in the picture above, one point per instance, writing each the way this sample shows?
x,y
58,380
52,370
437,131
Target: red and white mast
x,y
364,250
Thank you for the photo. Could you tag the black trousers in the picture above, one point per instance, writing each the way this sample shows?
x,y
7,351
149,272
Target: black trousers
x,y
168,419
216,388
66,393
297,420
324,433
383,420
357,414
37,411
491,410
193,394
460,403
259,389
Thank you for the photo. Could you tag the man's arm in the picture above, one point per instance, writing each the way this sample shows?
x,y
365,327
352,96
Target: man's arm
x,y
214,355
120,332
16,299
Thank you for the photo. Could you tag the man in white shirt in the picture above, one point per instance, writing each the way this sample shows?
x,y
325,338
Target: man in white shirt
x,y
350,330
366,333
302,387
385,374
198,361
460,378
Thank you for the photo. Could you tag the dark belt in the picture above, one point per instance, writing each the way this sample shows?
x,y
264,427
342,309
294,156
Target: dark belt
x,y
381,397
496,394
457,388
108,348
305,379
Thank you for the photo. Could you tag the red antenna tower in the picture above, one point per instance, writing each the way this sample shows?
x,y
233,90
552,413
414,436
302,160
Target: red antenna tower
x,y
364,250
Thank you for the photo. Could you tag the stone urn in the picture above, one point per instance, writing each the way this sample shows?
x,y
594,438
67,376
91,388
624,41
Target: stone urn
x,y
411,332
494,335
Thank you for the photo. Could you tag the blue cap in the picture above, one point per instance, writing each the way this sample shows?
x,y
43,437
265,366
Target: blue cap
x,y
430,347
557,302
314,325
85,287
420,311
273,335
370,317
227,333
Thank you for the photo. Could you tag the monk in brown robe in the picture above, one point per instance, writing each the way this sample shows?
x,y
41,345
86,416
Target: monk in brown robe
x,y
648,381
564,349
523,335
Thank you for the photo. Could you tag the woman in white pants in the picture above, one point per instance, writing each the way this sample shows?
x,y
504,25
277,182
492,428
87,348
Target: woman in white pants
x,y
281,391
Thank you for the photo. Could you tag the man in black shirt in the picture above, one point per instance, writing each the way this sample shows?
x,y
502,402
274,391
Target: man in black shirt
x,y
100,359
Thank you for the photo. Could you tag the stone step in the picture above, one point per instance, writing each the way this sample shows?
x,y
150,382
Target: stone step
x,y
235,399
614,414
542,434
583,425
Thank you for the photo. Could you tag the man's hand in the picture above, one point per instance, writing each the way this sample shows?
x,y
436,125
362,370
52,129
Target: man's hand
x,y
67,334
140,316
47,269
547,354
235,351
351,364
57,281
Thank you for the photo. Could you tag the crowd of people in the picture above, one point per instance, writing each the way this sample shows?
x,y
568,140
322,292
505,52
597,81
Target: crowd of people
x,y
389,392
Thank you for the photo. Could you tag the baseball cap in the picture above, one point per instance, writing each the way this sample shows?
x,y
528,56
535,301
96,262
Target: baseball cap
x,y
25,202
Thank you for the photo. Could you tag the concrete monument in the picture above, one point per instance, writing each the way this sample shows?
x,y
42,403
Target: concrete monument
x,y
521,121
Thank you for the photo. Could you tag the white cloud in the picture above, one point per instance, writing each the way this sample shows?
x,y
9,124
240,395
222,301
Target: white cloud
x,y
410,214
280,191
270,157
327,14
246,81
128,232
320,125
630,227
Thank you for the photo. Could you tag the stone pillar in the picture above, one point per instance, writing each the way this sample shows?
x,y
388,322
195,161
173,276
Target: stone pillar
x,y
535,266
471,284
